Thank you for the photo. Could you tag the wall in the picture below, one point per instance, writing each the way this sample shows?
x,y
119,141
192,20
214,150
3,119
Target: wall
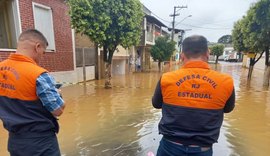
x,y
60,63
121,52
119,67
62,58
83,41
120,58
68,77
260,65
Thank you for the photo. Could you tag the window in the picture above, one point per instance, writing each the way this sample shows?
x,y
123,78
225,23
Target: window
x,y
148,27
9,24
44,23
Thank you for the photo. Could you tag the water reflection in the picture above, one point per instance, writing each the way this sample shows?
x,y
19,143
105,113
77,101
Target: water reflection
x,y
119,121
247,128
122,122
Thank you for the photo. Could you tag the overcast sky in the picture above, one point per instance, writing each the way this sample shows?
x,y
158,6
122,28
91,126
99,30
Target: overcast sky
x,y
211,18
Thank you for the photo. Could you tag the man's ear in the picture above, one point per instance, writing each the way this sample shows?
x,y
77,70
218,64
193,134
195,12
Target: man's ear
x,y
37,47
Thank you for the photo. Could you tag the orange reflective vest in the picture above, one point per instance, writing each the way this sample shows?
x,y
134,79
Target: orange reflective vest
x,y
196,86
21,110
19,75
193,101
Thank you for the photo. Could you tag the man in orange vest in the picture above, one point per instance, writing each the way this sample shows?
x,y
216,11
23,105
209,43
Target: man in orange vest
x,y
193,100
29,101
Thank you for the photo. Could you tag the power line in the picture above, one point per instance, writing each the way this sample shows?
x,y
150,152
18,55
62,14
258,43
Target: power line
x,y
160,17
212,23
183,20
205,27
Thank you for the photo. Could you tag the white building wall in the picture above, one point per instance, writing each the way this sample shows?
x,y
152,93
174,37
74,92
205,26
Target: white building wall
x,y
119,61
260,65
121,51
72,77
119,67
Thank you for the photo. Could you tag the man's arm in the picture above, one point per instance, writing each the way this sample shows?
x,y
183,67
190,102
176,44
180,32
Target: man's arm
x,y
230,104
157,99
49,95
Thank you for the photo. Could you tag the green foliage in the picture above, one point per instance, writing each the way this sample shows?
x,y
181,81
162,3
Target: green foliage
x,y
260,24
217,50
252,32
238,37
249,28
226,39
108,23
163,49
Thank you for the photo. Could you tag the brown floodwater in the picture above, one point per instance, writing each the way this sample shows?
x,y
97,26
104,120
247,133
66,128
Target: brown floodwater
x,y
121,121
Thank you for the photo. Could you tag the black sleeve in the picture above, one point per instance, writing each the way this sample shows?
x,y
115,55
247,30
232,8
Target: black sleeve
x,y
157,99
229,106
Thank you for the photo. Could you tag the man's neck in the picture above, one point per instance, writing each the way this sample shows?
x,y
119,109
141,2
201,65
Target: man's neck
x,y
195,59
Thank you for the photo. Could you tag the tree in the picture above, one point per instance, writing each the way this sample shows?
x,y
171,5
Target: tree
x,y
226,39
108,24
262,33
217,50
253,37
238,37
244,38
162,50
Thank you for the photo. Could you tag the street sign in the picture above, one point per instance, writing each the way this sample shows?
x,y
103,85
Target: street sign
x,y
251,55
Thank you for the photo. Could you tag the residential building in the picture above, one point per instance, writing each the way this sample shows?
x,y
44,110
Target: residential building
x,y
120,62
52,19
152,28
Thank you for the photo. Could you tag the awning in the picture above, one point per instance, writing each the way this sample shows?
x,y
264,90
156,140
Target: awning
x,y
154,20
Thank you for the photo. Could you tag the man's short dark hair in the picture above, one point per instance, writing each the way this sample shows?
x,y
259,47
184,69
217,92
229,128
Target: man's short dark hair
x,y
33,35
194,46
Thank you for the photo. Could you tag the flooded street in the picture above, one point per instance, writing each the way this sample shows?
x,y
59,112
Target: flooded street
x,y
121,121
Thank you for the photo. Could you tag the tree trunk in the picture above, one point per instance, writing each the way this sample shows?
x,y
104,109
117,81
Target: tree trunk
x,y
108,71
250,72
252,62
267,63
108,75
251,66
97,77
266,77
159,66
267,68
217,59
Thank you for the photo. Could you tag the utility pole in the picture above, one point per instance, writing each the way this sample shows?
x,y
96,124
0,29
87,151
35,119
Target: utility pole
x,y
174,15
